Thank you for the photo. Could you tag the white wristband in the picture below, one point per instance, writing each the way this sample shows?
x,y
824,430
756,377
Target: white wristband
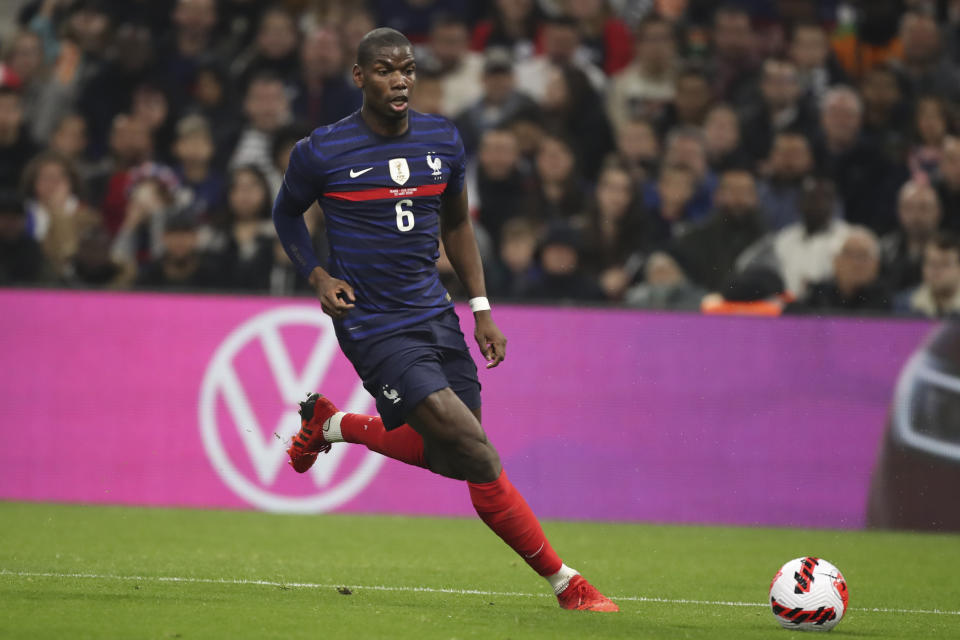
x,y
479,303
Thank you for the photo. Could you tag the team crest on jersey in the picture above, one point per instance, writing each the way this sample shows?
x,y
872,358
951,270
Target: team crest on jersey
x,y
399,170
434,163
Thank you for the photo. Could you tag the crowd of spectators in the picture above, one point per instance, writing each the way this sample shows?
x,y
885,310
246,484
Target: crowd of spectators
x,y
754,156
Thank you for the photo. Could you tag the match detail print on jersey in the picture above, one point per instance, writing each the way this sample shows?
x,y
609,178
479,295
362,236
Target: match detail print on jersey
x,y
389,193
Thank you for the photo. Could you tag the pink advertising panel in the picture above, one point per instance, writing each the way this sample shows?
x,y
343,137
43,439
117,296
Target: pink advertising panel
x,y
179,400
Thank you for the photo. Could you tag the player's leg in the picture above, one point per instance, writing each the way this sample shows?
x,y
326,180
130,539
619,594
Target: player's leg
x,y
455,439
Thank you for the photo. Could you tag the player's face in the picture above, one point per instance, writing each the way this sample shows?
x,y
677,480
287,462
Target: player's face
x,y
387,82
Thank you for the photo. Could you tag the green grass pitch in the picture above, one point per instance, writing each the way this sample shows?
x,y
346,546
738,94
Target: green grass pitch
x,y
115,572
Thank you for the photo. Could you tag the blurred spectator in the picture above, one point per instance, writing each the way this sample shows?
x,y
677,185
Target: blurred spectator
x,y
664,286
691,101
527,127
415,18
948,184
213,98
781,108
24,59
638,149
189,42
559,192
129,62
353,26
182,264
93,265
244,234
803,253
274,50
516,265
708,250
735,55
866,181
428,95
512,25
561,48
686,148
931,126
193,150
460,68
918,212
605,37
870,38
647,85
721,134
791,161
503,185
325,92
21,258
69,138
267,109
884,111
810,51
923,66
668,200
56,216
16,146
499,103
561,276
150,203
939,294
130,147
150,106
571,108
617,231
856,284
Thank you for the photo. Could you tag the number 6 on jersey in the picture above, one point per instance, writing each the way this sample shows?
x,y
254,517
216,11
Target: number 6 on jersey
x,y
405,217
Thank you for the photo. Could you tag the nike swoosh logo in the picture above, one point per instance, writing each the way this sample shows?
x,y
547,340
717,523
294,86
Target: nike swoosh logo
x,y
534,553
354,174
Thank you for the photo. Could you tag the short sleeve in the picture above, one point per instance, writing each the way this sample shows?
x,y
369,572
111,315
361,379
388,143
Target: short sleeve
x,y
458,164
305,177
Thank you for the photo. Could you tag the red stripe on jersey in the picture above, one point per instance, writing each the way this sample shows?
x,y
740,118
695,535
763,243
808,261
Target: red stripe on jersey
x,y
389,193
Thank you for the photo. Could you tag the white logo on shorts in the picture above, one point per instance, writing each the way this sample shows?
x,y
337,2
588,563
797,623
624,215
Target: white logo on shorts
x,y
264,445
391,394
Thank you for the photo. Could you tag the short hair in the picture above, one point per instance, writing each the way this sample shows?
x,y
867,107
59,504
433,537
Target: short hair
x,y
945,241
193,124
837,92
867,234
378,39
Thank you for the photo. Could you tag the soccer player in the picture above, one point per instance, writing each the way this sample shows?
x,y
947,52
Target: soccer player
x,y
391,182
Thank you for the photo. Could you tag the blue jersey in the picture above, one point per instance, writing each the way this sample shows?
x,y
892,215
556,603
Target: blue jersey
x,y
381,201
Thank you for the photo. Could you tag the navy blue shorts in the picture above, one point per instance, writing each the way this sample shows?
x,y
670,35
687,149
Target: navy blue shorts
x,y
401,368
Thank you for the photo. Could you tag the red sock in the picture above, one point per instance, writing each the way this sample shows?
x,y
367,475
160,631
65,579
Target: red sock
x,y
505,511
403,443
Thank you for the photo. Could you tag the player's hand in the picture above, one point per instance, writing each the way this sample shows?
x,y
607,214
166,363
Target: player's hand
x,y
336,296
493,344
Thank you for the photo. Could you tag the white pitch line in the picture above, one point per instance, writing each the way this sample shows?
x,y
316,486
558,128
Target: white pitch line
x,y
462,592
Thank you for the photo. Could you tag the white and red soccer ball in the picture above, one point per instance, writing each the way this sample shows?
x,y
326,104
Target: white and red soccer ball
x,y
808,594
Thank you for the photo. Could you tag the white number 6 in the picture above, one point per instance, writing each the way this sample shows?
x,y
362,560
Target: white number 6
x,y
405,218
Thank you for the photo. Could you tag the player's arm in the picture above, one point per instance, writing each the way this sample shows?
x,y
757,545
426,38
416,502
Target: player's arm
x,y
456,231
295,197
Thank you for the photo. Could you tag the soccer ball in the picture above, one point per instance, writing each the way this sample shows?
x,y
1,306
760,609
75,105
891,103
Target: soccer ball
x,y
808,594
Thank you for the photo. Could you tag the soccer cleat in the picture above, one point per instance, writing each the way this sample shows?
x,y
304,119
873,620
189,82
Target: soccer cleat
x,y
583,596
309,442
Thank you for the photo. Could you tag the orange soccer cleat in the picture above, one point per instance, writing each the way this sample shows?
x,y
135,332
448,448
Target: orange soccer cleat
x,y
309,442
583,596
